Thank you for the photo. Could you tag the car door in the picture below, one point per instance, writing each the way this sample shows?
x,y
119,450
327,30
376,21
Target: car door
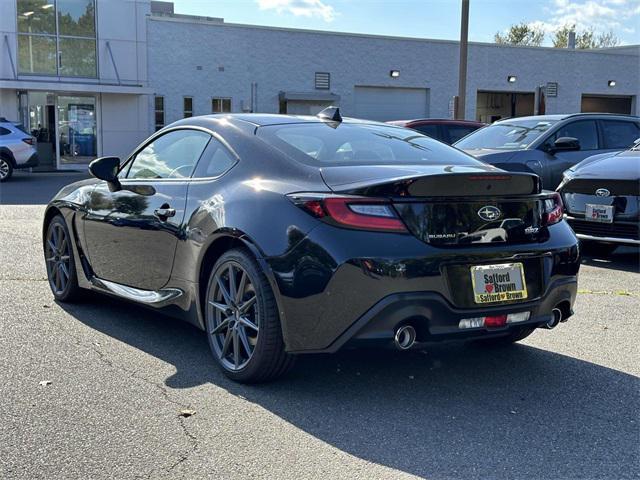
x,y
131,234
586,131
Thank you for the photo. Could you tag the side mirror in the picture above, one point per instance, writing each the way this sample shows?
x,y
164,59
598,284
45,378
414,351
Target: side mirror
x,y
566,144
106,168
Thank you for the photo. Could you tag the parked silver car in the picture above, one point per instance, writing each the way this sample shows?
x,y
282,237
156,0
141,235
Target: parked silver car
x,y
17,149
550,144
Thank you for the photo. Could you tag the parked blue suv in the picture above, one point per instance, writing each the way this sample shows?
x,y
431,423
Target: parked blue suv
x,y
550,144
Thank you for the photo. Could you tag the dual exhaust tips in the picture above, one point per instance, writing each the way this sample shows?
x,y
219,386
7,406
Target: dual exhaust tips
x,y
405,336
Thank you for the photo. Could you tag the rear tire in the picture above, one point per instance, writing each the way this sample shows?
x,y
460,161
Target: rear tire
x,y
242,321
511,338
6,169
60,262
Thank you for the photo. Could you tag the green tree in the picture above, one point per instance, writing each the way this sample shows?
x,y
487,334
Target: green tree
x,y
521,34
584,39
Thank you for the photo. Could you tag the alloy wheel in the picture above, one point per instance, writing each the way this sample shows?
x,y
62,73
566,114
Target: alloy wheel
x,y
235,319
57,256
4,169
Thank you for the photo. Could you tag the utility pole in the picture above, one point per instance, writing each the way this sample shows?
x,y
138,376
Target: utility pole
x,y
462,72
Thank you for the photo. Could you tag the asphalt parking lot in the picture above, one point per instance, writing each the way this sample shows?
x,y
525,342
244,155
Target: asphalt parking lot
x,y
96,390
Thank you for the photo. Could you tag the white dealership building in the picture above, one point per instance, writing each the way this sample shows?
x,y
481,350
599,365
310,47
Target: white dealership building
x,y
94,77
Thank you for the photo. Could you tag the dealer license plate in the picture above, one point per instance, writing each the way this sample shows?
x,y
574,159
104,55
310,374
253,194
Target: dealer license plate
x,y
498,283
599,213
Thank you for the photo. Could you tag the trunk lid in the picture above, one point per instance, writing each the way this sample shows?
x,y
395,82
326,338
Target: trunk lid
x,y
452,205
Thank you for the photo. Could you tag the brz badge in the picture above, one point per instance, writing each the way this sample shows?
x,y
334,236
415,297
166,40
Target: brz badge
x,y
489,213
603,192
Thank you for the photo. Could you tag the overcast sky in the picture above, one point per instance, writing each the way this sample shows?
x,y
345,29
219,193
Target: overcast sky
x,y
426,18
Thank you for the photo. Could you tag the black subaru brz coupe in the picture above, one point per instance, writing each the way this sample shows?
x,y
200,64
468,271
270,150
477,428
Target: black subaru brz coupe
x,y
280,235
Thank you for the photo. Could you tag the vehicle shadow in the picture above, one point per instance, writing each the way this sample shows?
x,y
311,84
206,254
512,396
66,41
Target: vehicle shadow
x,y
626,259
453,412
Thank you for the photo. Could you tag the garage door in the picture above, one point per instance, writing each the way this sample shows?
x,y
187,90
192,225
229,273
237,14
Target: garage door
x,y
606,104
391,103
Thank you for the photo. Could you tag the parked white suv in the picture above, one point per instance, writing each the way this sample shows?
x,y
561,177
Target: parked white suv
x,y
17,149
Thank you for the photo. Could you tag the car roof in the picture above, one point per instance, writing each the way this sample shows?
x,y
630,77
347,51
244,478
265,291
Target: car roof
x,y
565,116
265,119
435,121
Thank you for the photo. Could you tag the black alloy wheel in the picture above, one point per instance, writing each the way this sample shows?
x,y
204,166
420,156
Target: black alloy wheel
x,y
58,254
242,320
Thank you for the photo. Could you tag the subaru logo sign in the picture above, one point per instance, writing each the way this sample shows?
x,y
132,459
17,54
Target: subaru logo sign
x,y
489,213
603,192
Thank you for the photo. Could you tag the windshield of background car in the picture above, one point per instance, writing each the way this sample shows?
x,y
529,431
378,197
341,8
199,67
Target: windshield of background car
x,y
327,144
509,135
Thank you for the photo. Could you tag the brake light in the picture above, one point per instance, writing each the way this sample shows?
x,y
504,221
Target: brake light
x,y
353,212
553,209
29,140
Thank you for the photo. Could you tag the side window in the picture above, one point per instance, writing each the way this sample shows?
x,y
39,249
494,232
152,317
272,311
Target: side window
x,y
456,132
172,155
584,130
619,134
428,130
4,131
215,161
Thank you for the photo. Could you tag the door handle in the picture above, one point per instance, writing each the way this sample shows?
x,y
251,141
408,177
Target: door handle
x,y
164,212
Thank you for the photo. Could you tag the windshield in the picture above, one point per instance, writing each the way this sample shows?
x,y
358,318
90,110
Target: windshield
x,y
508,135
325,144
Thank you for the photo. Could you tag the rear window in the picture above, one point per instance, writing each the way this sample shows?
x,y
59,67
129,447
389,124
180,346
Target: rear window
x,y
20,127
320,144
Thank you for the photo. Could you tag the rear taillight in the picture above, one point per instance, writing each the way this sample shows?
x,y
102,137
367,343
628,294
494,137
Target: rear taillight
x,y
29,140
352,212
553,209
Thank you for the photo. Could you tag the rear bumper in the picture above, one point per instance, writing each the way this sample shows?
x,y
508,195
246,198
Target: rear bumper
x,y
435,320
338,285
32,161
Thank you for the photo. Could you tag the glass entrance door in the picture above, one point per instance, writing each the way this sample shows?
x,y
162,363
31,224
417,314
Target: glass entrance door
x,y
77,129
37,111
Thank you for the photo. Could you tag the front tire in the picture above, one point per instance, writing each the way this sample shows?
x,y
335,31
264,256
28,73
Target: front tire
x,y
61,267
242,321
6,169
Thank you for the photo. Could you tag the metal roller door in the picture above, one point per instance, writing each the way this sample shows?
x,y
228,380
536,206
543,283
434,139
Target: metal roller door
x,y
391,103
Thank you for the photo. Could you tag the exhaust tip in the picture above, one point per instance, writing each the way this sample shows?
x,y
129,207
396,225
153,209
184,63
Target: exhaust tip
x,y
556,318
405,337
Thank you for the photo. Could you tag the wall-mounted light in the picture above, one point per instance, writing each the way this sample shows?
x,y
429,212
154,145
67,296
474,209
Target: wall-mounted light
x,y
512,79
394,73
611,83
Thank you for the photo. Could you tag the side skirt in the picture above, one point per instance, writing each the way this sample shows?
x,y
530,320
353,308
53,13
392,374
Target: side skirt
x,y
157,298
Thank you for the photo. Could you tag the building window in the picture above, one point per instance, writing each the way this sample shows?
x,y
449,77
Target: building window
x,y
57,37
221,105
187,106
323,80
159,112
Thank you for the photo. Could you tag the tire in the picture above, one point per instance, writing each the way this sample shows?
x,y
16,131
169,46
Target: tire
x,y
242,321
511,338
60,262
6,169
598,249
